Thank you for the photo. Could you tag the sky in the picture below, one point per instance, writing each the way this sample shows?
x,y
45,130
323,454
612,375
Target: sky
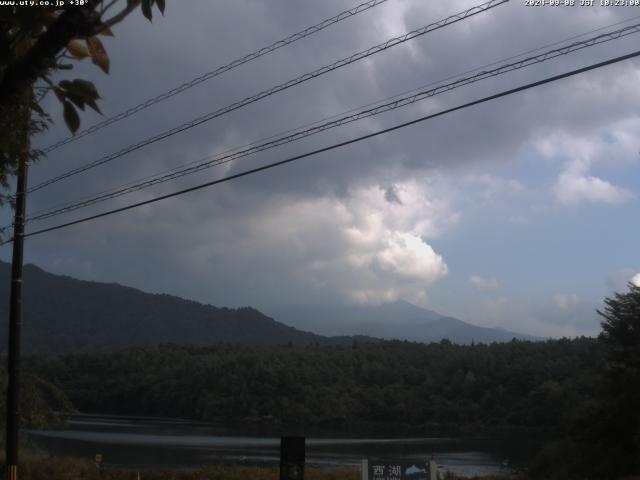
x,y
519,213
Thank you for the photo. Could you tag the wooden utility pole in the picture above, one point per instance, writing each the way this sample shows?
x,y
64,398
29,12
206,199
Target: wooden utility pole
x,y
15,312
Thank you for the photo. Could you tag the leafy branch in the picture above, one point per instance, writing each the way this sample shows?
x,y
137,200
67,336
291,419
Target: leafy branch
x,y
37,42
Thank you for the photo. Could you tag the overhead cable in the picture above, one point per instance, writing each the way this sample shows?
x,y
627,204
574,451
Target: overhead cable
x,y
278,88
218,71
336,145
215,160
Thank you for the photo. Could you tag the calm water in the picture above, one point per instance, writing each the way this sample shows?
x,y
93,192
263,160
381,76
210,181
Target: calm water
x,y
158,442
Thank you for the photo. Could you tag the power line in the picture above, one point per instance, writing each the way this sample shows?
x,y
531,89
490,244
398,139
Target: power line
x,y
337,145
278,88
116,189
218,71
398,103
331,117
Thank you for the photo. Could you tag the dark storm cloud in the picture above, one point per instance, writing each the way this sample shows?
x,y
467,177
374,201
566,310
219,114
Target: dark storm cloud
x,y
149,59
183,246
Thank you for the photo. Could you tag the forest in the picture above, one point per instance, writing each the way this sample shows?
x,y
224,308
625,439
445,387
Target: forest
x,y
440,385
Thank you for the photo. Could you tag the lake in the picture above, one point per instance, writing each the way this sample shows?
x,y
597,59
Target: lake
x,y
144,442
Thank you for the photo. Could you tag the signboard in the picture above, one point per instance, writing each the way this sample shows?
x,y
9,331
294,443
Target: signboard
x,y
398,470
292,457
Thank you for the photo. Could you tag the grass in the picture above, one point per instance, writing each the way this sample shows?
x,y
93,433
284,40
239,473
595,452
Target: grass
x,y
44,467
39,466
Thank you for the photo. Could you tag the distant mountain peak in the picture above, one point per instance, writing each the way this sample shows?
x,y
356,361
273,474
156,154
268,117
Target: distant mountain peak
x,y
399,320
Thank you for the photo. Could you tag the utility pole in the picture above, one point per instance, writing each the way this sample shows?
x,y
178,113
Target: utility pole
x,y
15,312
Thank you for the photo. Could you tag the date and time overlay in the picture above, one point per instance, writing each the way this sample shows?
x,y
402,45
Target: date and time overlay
x,y
581,3
526,3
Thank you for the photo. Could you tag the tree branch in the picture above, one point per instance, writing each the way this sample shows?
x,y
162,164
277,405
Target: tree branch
x,y
22,74
117,18
108,6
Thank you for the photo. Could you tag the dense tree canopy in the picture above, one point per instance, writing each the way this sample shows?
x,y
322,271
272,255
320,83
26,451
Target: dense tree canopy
x,y
603,440
618,432
524,384
43,404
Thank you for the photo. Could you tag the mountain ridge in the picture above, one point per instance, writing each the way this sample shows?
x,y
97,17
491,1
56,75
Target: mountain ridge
x,y
63,314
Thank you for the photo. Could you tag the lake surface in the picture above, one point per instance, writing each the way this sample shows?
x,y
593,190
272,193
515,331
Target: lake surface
x,y
143,442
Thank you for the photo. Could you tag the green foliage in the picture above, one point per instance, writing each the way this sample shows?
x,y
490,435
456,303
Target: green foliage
x,y
603,440
17,124
40,467
516,384
558,460
80,93
71,117
146,9
37,42
621,336
617,433
42,403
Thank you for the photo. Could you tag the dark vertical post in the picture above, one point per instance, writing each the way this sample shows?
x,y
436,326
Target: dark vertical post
x,y
292,458
15,321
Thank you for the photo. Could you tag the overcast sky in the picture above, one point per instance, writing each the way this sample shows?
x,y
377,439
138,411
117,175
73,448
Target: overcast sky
x,y
520,213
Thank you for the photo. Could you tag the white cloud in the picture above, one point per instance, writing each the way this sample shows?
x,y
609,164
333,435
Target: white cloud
x,y
614,145
401,265
619,281
492,184
566,301
573,189
382,254
366,247
636,280
482,283
480,190
533,315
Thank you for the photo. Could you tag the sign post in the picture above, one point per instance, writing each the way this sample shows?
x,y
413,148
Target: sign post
x,y
292,458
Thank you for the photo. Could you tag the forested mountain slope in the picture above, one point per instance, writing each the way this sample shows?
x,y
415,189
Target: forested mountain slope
x,y
63,314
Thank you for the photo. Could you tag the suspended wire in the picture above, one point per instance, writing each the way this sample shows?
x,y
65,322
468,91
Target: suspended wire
x,y
278,88
331,117
218,71
336,145
133,182
219,159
